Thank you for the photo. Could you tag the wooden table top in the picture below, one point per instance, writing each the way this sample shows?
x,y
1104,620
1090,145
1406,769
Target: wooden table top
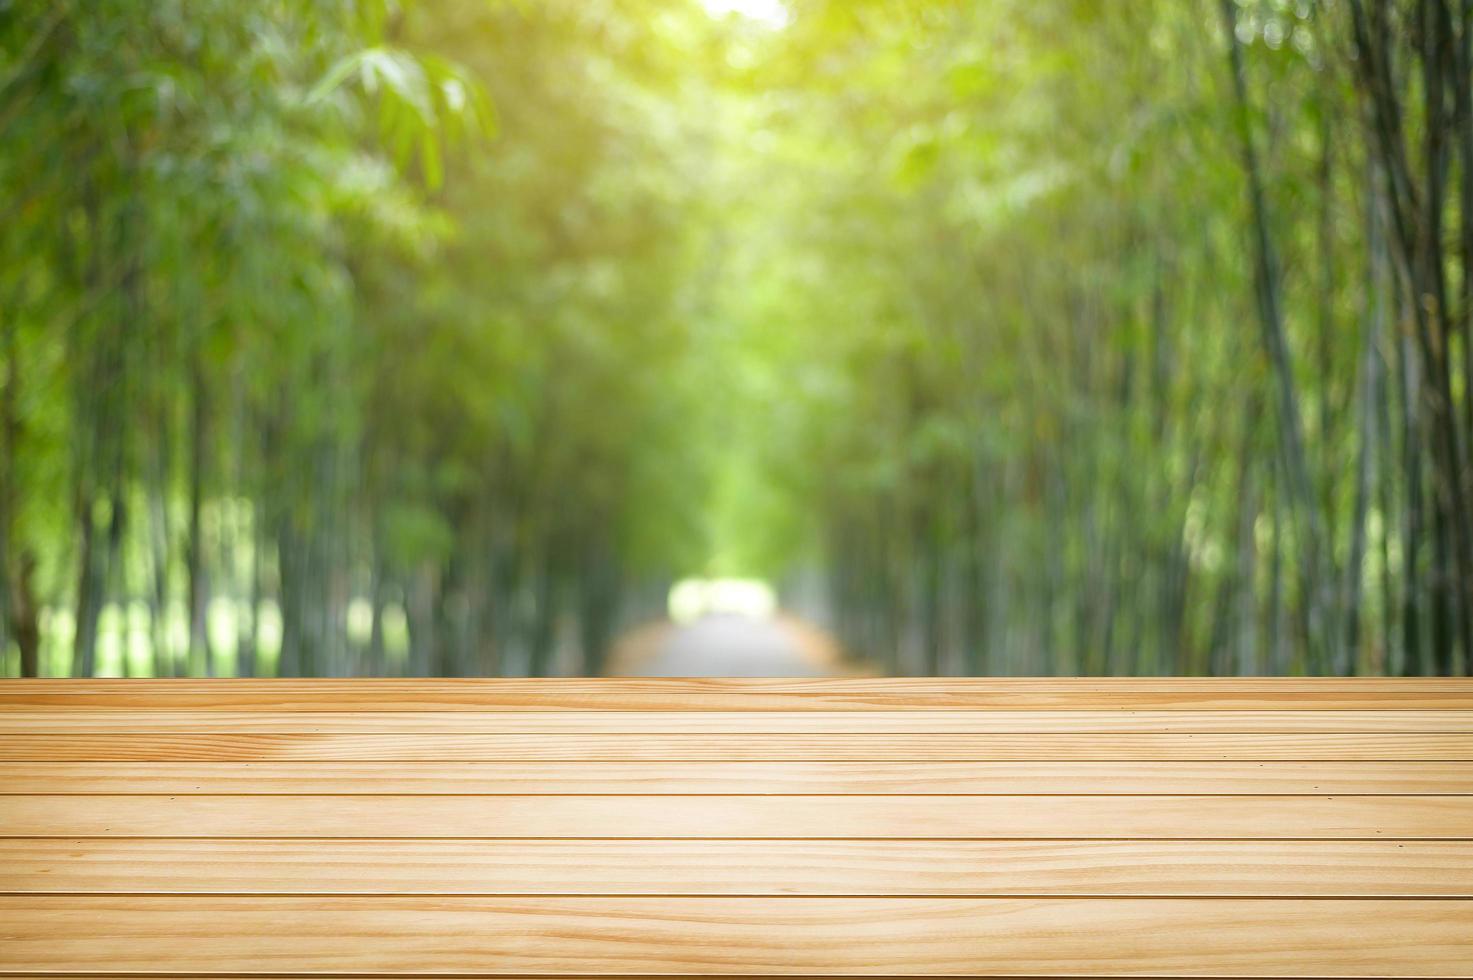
x,y
517,828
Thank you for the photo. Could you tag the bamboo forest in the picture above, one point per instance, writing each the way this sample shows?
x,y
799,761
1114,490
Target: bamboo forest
x,y
396,337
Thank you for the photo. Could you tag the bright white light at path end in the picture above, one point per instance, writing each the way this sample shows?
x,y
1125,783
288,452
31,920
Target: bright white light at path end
x,y
692,598
773,13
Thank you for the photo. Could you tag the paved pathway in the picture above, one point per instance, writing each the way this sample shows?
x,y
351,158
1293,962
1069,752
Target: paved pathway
x,y
723,645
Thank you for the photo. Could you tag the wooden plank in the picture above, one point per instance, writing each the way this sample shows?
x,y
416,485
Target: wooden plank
x,y
686,694
1085,827
740,778
25,721
763,936
175,747
739,816
195,975
1108,868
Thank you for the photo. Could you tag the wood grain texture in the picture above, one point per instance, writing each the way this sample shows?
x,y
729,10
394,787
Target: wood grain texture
x,y
174,747
895,817
653,827
1196,868
740,778
740,694
27,721
762,936
420,975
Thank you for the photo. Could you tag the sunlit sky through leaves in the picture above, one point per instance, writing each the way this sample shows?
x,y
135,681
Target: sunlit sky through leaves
x,y
773,13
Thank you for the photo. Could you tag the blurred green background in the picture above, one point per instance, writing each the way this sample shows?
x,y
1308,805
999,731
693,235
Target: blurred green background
x,y
1029,336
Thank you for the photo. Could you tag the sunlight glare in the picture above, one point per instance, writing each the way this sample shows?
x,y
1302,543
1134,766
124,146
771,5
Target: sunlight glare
x,y
772,13
692,598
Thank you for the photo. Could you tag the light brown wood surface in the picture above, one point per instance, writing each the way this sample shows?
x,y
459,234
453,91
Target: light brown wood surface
x,y
987,828
740,778
753,747
880,817
612,866
702,935
25,721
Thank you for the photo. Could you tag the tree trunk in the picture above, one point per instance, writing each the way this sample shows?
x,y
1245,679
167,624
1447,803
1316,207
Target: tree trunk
x,y
1413,517
544,617
200,661
1416,223
1370,384
9,432
422,601
376,588
25,615
1271,322
1278,650
1460,80
247,632
89,594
